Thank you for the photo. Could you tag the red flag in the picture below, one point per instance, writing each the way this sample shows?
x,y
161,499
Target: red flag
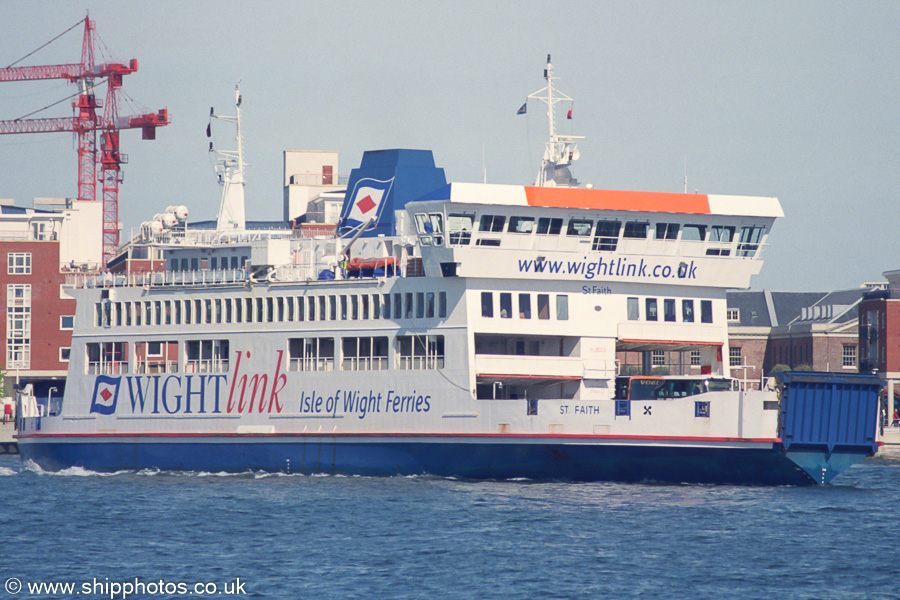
x,y
569,116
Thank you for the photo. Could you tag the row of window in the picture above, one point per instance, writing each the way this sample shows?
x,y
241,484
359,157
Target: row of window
x,y
18,326
669,310
606,232
271,309
213,263
351,353
523,306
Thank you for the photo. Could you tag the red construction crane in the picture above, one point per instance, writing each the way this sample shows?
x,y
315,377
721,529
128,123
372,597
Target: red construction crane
x,y
86,123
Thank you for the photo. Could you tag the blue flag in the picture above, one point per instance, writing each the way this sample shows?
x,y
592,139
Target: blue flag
x,y
521,110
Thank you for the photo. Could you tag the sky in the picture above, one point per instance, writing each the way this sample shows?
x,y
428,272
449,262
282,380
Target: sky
x,y
797,100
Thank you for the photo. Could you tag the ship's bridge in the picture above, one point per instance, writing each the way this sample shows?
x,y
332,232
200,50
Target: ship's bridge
x,y
582,234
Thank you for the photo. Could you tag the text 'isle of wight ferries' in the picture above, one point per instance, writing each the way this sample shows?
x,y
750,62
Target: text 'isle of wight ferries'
x,y
239,393
611,267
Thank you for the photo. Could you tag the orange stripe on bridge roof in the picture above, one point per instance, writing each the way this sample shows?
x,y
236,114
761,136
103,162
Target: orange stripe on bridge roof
x,y
617,200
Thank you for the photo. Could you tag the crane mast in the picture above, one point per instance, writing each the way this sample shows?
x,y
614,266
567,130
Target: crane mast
x,y
86,122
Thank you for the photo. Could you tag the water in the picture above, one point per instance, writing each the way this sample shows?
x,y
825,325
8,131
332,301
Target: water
x,y
421,537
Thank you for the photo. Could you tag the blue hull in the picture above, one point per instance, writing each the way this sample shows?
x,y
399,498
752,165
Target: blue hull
x,y
466,458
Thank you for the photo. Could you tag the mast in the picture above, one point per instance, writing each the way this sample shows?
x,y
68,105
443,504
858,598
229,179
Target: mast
x,y
230,169
561,150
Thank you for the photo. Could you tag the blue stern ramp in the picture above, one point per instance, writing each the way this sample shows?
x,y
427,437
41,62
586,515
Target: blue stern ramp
x,y
828,420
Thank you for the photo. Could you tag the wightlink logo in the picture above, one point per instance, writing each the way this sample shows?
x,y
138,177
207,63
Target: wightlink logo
x,y
612,267
239,392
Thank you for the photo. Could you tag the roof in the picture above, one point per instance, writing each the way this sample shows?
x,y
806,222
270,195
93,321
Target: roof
x,y
250,225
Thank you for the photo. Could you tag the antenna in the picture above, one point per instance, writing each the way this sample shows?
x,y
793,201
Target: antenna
x,y
685,172
230,170
561,150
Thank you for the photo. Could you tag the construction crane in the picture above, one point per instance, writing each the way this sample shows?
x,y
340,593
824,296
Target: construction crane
x,y
86,123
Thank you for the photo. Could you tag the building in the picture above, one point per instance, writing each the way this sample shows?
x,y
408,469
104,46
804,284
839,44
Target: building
x,y
879,332
307,175
41,247
770,330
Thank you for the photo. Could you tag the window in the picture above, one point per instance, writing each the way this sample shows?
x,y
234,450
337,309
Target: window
x,y
666,231
633,309
548,226
420,305
492,223
206,356
606,237
442,305
658,358
693,233
848,357
18,326
733,315
65,354
687,311
650,305
749,242
398,306
155,357
580,227
107,358
635,229
735,357
669,310
706,315
721,233
505,305
524,306
364,353
429,305
311,354
67,321
562,307
408,305
459,230
543,306
18,263
695,358
420,352
386,302
521,225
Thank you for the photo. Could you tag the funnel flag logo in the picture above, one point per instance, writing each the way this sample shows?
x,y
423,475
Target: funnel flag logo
x,y
366,202
106,392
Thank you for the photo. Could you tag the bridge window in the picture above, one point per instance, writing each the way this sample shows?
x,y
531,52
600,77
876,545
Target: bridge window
x,y
521,225
580,227
635,229
750,239
606,236
666,231
721,233
549,226
492,223
459,229
693,233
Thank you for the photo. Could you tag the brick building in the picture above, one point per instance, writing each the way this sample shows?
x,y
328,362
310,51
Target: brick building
x,y
879,332
40,247
815,330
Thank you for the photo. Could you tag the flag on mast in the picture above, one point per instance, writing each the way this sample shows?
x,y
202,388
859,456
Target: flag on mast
x,y
521,110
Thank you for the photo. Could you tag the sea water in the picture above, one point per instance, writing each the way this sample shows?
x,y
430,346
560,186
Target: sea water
x,y
151,534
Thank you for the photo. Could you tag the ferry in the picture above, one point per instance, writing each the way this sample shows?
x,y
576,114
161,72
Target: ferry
x,y
466,330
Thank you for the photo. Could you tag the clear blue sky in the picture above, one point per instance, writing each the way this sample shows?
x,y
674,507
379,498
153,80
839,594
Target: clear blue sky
x,y
797,100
